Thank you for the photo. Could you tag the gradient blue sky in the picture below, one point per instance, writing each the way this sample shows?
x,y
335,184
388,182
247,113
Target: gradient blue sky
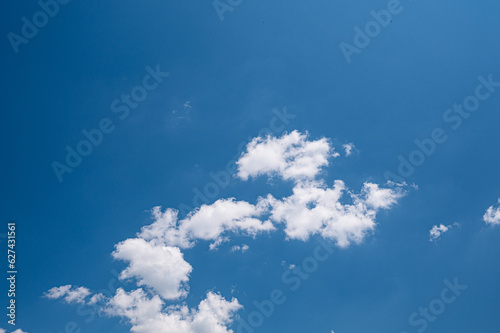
x,y
262,56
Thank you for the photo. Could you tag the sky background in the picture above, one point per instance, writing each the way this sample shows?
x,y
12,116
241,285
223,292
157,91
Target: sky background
x,y
262,56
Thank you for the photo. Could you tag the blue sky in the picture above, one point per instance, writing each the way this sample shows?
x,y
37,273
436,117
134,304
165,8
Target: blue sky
x,y
228,80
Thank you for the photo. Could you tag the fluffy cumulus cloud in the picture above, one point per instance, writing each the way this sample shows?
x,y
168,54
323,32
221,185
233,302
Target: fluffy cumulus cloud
x,y
162,268
292,156
16,331
313,208
148,314
208,222
69,293
155,261
492,215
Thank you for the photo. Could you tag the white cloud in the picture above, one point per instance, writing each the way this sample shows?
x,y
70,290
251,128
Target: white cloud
x,y
436,231
162,268
218,242
379,198
207,222
69,293
210,221
58,292
243,248
165,229
492,214
348,147
291,156
96,299
315,209
18,331
147,314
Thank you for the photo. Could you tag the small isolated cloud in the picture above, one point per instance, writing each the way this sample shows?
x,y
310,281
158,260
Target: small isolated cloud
x,y
436,231
243,248
187,105
348,148
492,215
68,293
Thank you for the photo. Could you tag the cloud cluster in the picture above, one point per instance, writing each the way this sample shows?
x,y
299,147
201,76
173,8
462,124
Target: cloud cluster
x,y
492,215
155,260
16,331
